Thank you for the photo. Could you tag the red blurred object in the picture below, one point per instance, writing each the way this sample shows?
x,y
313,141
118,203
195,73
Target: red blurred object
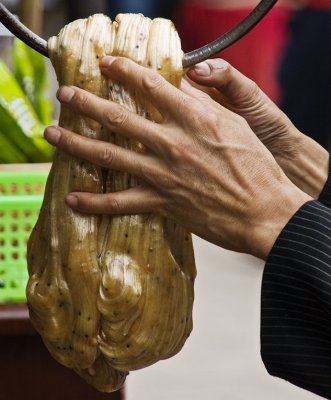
x,y
257,55
319,4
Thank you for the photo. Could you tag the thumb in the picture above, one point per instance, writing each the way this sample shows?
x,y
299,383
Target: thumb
x,y
239,90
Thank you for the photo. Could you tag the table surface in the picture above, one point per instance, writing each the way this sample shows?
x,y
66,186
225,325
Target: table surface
x,y
25,360
14,320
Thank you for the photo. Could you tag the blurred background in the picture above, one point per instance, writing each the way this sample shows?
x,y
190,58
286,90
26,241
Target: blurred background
x,y
289,55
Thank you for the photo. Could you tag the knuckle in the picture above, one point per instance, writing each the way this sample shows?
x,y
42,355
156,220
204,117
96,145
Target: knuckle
x,y
148,174
167,182
252,91
172,146
160,200
249,98
69,141
161,207
106,156
122,65
191,110
222,74
204,97
152,82
187,105
176,149
113,205
116,118
211,117
225,67
209,120
81,99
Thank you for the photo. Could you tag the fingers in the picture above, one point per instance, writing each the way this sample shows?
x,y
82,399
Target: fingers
x,y
97,152
139,199
199,93
219,74
192,91
164,96
111,115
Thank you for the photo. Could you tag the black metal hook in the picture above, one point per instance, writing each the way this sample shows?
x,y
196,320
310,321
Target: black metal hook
x,y
230,37
22,32
189,59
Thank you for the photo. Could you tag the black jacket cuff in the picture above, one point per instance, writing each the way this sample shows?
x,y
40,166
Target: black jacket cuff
x,y
296,301
325,196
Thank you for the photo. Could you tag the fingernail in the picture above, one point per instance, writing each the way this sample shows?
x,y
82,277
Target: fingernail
x,y
72,200
106,62
65,94
202,69
52,134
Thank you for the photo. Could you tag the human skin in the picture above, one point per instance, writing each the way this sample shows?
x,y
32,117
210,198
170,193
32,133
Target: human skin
x,y
204,166
303,160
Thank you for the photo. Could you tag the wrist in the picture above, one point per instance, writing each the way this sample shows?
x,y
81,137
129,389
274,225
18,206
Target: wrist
x,y
308,168
280,206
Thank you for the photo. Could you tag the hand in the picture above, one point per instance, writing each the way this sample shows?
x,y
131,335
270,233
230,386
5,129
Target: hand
x,y
303,160
203,166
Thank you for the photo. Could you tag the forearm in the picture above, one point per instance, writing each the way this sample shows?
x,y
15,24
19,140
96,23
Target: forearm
x,y
308,167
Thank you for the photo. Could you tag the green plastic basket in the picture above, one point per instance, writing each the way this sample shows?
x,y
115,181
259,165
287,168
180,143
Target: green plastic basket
x,y
21,194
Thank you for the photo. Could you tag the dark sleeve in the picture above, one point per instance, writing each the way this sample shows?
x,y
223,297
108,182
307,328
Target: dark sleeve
x,y
325,196
296,301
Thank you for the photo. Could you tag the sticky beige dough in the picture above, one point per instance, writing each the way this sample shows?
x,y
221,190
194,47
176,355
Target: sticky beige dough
x,y
108,294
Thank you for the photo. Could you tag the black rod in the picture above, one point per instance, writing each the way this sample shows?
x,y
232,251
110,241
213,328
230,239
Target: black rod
x,y
189,59
22,32
230,37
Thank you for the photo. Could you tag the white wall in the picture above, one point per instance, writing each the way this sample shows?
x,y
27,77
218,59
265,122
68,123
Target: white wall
x,y
221,359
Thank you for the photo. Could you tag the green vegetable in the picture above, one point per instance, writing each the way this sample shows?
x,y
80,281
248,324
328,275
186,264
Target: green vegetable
x,y
30,71
18,120
9,152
